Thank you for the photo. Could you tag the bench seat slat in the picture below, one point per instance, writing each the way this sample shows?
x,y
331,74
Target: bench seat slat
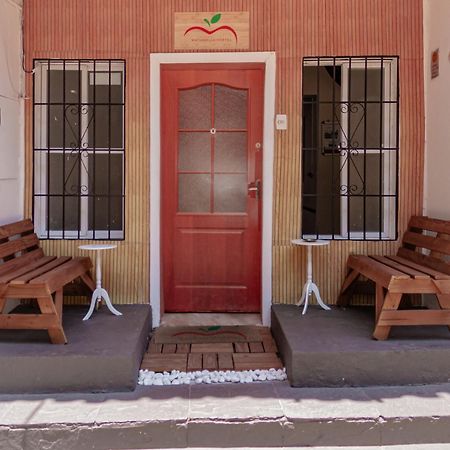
x,y
433,273
426,260
24,269
375,270
54,263
61,275
402,268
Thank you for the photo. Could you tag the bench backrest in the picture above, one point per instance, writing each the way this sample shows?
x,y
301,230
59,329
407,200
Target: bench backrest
x,y
427,242
18,245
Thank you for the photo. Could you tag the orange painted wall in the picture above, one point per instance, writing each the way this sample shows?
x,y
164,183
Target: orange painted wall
x,y
132,29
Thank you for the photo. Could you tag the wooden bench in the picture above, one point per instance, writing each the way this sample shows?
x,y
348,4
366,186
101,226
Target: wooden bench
x,y
421,266
26,273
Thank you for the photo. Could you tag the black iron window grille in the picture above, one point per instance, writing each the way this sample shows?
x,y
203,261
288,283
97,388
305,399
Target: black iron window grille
x,y
79,148
350,148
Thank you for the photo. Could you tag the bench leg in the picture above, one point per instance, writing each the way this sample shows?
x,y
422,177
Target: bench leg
x,y
379,299
55,331
59,303
443,300
86,278
391,302
344,296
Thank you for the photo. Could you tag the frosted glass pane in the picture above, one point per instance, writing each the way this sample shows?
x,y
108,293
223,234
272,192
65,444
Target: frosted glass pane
x,y
230,106
194,151
231,152
230,193
194,109
194,192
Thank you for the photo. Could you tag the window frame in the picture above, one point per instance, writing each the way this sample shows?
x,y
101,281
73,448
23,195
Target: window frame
x,y
391,95
42,151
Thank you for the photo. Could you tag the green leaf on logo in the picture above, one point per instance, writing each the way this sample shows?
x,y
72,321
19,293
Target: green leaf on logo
x,y
216,18
207,21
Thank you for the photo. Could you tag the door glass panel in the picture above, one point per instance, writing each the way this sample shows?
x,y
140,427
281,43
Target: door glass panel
x,y
194,192
230,152
230,193
194,151
194,110
230,106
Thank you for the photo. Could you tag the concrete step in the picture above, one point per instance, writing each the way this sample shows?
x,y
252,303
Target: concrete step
x,y
335,348
229,415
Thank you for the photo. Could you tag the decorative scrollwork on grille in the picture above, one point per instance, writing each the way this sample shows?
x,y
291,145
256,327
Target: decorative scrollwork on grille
x,y
346,146
78,146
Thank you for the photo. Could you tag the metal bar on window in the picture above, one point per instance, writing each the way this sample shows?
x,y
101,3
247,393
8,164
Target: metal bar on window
x,y
334,147
317,111
64,151
94,157
109,150
365,151
349,144
397,144
380,168
79,145
48,149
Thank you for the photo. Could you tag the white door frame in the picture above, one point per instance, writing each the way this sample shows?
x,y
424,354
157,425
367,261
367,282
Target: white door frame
x,y
156,60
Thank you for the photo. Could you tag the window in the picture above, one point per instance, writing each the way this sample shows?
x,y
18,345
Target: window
x,y
350,148
79,149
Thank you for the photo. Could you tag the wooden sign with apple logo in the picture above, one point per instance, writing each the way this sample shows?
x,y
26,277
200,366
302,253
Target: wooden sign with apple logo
x,y
211,30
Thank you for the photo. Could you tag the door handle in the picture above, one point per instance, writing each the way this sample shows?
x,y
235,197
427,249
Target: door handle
x,y
254,189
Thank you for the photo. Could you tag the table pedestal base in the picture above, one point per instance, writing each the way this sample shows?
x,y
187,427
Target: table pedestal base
x,y
308,289
97,296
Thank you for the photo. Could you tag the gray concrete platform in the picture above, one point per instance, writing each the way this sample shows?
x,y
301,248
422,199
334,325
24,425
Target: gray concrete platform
x,y
102,354
335,348
270,414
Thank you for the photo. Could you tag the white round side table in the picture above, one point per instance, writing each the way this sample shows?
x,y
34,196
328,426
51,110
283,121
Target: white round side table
x,y
310,287
99,292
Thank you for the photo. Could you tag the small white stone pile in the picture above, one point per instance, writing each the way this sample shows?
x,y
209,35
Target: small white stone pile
x,y
149,378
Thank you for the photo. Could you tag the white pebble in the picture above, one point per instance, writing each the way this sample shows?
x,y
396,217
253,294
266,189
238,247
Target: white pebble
x,y
177,377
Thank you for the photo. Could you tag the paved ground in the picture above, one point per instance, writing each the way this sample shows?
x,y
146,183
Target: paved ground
x,y
214,416
390,447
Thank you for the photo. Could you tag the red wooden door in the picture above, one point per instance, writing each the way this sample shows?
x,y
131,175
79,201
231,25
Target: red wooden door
x,y
210,166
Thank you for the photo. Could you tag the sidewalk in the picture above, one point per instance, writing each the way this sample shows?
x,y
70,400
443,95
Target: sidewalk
x,y
227,415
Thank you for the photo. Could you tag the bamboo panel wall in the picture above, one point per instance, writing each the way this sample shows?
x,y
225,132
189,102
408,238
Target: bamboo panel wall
x,y
132,29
